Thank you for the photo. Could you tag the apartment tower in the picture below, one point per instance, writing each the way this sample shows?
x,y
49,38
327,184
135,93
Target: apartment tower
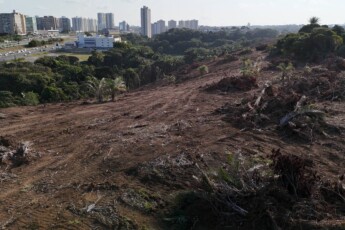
x,y
12,23
146,22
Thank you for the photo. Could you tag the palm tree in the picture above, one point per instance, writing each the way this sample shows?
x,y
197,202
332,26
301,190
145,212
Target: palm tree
x,y
116,85
250,68
246,68
98,87
286,69
314,20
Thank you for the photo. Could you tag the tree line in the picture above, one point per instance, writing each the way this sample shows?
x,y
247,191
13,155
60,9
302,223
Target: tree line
x,y
127,66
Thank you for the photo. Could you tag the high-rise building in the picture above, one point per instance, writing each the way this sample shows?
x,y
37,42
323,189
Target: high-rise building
x,y
31,24
194,24
190,24
158,27
84,24
47,23
109,21
92,25
65,24
77,24
123,26
146,22
106,21
12,23
172,24
181,24
102,21
154,28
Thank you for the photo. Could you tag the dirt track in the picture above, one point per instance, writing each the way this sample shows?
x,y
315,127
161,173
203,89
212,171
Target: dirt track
x,y
89,152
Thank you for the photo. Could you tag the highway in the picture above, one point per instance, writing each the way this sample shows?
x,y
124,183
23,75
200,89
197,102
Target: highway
x,y
18,51
24,53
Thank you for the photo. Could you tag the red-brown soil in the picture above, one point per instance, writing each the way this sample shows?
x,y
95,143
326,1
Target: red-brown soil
x,y
132,156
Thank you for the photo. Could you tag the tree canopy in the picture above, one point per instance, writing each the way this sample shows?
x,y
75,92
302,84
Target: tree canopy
x,y
313,42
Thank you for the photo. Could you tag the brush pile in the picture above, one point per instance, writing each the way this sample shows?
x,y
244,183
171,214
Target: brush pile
x,y
288,106
14,157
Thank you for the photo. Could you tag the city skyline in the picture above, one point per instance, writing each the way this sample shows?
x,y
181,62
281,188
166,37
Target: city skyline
x,y
210,13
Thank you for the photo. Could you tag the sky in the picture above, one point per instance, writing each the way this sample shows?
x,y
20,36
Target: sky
x,y
208,12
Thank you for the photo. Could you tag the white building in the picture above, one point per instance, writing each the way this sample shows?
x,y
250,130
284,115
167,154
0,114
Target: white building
x,y
52,33
190,24
158,27
97,42
92,25
84,24
181,24
194,24
172,24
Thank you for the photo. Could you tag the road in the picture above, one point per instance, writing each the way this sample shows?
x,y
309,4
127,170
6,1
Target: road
x,y
26,52
23,53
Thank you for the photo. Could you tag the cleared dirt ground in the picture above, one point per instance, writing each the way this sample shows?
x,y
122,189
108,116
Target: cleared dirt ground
x,y
144,143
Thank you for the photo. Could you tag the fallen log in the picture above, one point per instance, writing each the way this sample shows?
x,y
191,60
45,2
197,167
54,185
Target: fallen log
x,y
288,117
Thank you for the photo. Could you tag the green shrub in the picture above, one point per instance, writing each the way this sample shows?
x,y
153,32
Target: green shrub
x,y
6,99
52,94
203,69
30,98
250,68
34,43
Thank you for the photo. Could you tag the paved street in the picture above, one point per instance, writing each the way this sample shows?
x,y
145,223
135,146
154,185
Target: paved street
x,y
27,53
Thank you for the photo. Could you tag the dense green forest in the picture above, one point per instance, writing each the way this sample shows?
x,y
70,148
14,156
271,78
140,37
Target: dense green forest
x,y
129,65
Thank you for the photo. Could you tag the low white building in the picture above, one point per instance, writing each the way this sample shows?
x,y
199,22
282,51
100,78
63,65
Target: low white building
x,y
98,42
53,33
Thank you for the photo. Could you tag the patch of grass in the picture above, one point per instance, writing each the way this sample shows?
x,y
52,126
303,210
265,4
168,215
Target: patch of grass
x,y
26,188
224,175
148,206
74,222
143,193
39,54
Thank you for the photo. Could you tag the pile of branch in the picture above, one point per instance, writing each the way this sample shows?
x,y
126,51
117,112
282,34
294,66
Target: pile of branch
x,y
293,189
257,112
320,84
233,83
285,110
228,195
15,158
296,174
305,122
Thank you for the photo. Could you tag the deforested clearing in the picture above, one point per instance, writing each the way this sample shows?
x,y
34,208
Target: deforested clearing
x,y
231,148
